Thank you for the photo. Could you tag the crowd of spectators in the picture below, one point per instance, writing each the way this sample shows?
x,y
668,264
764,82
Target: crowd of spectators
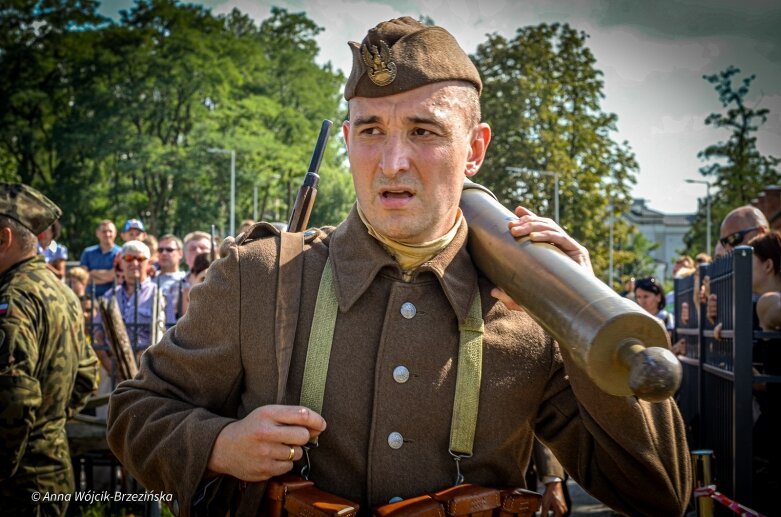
x,y
143,275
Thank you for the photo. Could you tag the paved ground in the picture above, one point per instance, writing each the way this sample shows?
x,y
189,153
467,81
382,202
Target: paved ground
x,y
583,505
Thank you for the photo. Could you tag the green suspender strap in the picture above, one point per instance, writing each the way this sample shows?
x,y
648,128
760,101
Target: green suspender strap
x,y
320,339
470,367
470,364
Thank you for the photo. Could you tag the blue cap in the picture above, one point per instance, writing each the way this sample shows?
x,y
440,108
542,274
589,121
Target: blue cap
x,y
131,224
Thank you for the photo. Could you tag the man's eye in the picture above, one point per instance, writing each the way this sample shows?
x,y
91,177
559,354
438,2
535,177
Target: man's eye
x,y
370,131
419,131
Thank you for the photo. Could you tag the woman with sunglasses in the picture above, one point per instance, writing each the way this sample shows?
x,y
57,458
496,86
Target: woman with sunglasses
x,y
649,294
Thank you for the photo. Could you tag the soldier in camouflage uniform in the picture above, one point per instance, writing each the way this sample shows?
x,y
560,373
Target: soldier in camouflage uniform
x,y
47,369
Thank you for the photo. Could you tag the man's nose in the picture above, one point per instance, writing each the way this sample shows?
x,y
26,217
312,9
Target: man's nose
x,y
395,156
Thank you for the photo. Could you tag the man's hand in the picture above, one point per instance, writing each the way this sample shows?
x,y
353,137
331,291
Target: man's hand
x,y
679,348
553,500
712,310
542,229
258,446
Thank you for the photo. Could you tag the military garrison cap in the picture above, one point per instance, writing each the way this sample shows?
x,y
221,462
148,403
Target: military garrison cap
x,y
403,54
29,207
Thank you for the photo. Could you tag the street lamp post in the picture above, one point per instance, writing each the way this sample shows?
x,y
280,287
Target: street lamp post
x,y
555,186
708,215
233,185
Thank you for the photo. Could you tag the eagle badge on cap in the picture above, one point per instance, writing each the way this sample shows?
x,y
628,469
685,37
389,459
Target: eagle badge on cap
x,y
382,71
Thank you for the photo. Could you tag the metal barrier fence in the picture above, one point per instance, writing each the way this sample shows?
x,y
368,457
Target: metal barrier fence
x,y
716,397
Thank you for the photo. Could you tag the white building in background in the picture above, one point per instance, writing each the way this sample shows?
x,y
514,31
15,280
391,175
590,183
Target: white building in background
x,y
667,230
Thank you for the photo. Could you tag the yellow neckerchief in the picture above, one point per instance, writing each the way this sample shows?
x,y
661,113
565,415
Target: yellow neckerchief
x,y
410,256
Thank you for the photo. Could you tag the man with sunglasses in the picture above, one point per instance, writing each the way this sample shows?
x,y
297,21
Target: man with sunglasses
x,y
741,225
170,279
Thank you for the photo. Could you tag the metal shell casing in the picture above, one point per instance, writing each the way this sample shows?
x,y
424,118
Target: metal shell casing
x,y
621,347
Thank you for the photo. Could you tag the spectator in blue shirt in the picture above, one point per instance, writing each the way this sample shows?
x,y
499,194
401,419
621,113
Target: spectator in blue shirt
x,y
99,259
54,254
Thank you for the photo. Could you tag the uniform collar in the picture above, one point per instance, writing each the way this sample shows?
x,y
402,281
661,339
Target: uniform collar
x,y
34,261
357,258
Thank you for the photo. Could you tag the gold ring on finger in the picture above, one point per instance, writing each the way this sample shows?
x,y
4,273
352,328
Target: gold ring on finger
x,y
292,454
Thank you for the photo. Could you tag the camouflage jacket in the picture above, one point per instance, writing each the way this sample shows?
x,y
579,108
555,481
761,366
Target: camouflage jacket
x,y
47,370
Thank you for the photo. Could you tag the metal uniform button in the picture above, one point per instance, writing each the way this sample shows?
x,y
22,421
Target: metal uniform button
x,y
401,374
395,440
408,310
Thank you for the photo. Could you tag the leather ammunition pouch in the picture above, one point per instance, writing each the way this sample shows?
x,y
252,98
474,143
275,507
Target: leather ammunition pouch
x,y
466,501
294,496
518,502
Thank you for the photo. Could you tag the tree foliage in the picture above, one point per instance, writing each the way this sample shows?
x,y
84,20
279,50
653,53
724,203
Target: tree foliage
x,y
115,119
738,171
542,96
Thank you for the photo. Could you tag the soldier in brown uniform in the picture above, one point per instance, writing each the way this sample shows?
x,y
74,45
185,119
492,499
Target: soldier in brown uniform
x,y
203,410
47,369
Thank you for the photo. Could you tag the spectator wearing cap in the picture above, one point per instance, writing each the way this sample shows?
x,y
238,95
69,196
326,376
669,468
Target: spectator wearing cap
x,y
133,230
135,297
99,259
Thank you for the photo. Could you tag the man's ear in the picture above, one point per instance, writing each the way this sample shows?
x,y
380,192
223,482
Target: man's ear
x,y
478,146
6,239
346,133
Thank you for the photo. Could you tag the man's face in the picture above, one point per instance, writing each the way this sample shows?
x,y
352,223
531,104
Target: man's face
x,y
169,255
409,154
134,267
738,230
106,234
195,247
133,234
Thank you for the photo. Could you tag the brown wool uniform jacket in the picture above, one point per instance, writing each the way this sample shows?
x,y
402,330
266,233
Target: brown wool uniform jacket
x,y
218,364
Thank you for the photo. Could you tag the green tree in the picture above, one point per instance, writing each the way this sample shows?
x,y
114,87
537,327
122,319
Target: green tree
x,y
738,170
114,119
45,48
634,258
541,95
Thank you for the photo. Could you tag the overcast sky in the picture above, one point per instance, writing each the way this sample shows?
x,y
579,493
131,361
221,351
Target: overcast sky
x,y
653,55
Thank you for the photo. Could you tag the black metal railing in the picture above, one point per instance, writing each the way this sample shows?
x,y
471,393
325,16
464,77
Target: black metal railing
x,y
720,368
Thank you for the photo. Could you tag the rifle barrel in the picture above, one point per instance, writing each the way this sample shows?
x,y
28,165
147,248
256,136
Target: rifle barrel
x,y
305,200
